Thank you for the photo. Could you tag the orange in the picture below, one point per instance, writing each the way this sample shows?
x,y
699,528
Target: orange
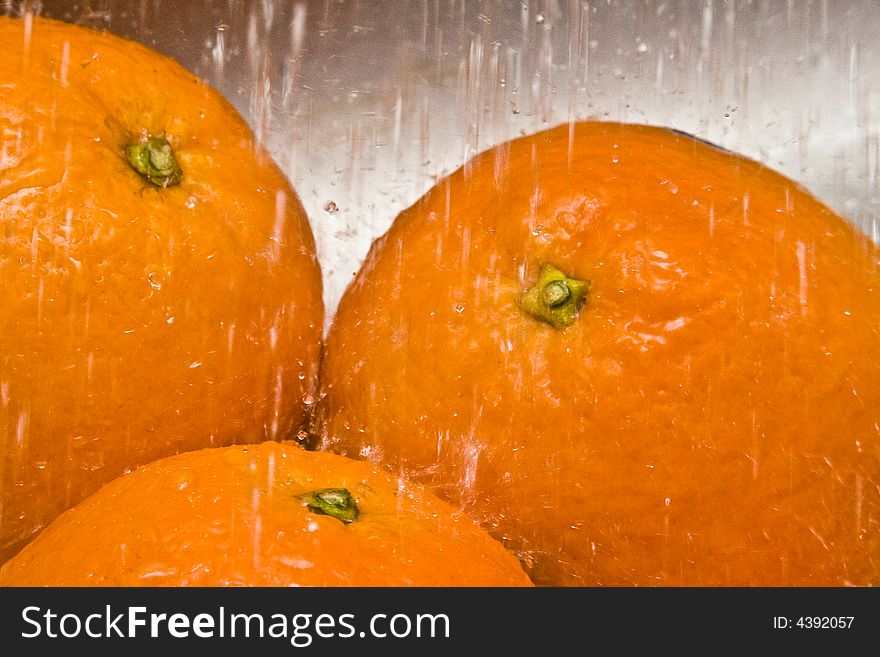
x,y
142,312
636,358
271,514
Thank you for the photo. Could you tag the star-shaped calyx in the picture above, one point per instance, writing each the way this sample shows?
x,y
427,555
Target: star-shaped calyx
x,y
555,298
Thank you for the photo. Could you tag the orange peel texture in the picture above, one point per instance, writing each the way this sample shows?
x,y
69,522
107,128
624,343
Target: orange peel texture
x,y
708,415
142,312
243,516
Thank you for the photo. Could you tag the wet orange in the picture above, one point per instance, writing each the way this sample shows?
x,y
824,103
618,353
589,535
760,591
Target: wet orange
x,y
242,516
711,416
136,319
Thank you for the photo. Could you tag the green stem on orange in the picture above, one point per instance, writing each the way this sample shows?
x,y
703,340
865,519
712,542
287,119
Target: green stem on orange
x,y
153,158
555,298
336,502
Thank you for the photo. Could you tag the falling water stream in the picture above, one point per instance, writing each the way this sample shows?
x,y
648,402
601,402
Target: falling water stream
x,y
365,105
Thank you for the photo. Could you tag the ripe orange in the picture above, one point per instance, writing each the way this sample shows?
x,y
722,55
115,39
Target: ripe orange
x,y
252,516
636,358
159,289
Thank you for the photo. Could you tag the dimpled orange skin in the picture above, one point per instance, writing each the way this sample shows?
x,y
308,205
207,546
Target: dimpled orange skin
x,y
136,321
233,516
712,417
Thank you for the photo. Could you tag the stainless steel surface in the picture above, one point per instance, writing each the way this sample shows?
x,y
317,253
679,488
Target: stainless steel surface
x,y
366,104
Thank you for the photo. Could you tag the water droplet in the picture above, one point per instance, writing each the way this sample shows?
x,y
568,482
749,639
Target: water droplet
x,y
218,52
642,47
539,19
459,308
190,202
331,207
